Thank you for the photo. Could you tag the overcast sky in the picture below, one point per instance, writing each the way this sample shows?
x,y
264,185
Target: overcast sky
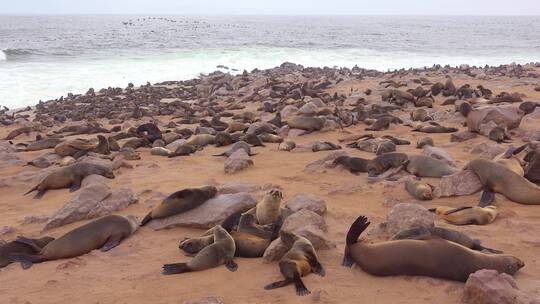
x,y
290,7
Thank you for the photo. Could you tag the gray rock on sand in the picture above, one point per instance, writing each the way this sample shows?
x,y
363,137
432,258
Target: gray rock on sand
x,y
303,201
507,116
487,150
462,136
237,187
8,156
288,111
175,144
33,219
490,287
238,161
323,163
207,300
462,183
305,223
94,200
406,216
6,230
209,214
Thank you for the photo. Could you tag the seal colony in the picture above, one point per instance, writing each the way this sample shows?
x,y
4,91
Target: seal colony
x,y
169,141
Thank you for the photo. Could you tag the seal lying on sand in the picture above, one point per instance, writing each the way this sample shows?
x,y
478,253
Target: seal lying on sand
x,y
8,249
70,176
105,233
502,180
299,261
467,215
432,258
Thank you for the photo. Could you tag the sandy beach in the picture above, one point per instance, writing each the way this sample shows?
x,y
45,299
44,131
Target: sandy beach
x,y
131,272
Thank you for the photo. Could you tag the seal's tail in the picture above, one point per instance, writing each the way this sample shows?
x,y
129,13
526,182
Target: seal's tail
x,y
356,229
175,268
146,219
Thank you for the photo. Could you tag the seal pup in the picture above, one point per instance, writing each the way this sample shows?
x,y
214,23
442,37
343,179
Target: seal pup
x,y
105,233
354,164
70,176
8,249
425,166
180,201
424,233
287,146
425,141
499,135
502,180
432,258
299,261
419,190
260,219
324,146
467,215
386,161
221,251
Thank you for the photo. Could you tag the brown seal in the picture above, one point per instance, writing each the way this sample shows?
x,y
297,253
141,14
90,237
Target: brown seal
x,y
386,161
8,249
308,124
425,166
201,140
420,115
424,233
419,190
70,176
354,164
425,141
383,123
467,215
241,145
324,146
105,233
180,201
184,150
299,261
499,135
287,146
502,180
221,251
432,258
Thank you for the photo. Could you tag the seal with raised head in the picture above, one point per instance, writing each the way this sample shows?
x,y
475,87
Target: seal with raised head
x,y
502,180
70,176
105,233
299,261
221,251
180,201
425,166
354,164
467,215
8,249
432,258
260,219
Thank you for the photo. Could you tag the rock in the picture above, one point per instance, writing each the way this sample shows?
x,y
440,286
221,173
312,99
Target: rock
x,y
239,160
207,300
6,230
530,135
462,183
309,109
209,214
94,179
329,125
304,218
66,161
438,153
236,187
486,128
170,137
487,150
406,216
33,219
303,201
288,112
283,131
175,144
79,206
296,132
490,287
462,136
507,116
160,151
319,165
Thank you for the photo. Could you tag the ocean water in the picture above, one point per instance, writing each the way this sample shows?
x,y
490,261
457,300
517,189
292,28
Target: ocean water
x,y
45,57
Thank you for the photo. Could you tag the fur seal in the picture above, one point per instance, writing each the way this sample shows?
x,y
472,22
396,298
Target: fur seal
x,y
287,146
8,249
42,144
223,139
420,115
353,164
383,123
424,233
70,176
270,138
180,201
253,140
221,251
383,162
261,219
434,127
149,131
499,135
103,146
502,180
324,146
419,190
464,108
308,124
432,258
184,150
425,141
299,261
160,151
467,215
424,166
105,233
201,140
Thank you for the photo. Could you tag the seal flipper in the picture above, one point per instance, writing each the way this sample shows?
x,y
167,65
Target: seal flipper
x,y
26,260
28,242
359,225
40,194
231,265
278,284
301,289
146,219
175,268
488,196
318,269
33,189
112,242
75,185
457,210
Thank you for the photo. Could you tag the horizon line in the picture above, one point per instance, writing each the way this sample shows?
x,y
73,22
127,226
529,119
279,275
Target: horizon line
x,y
267,15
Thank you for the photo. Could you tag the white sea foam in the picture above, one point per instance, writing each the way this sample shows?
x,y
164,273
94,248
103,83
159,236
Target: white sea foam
x,y
2,56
